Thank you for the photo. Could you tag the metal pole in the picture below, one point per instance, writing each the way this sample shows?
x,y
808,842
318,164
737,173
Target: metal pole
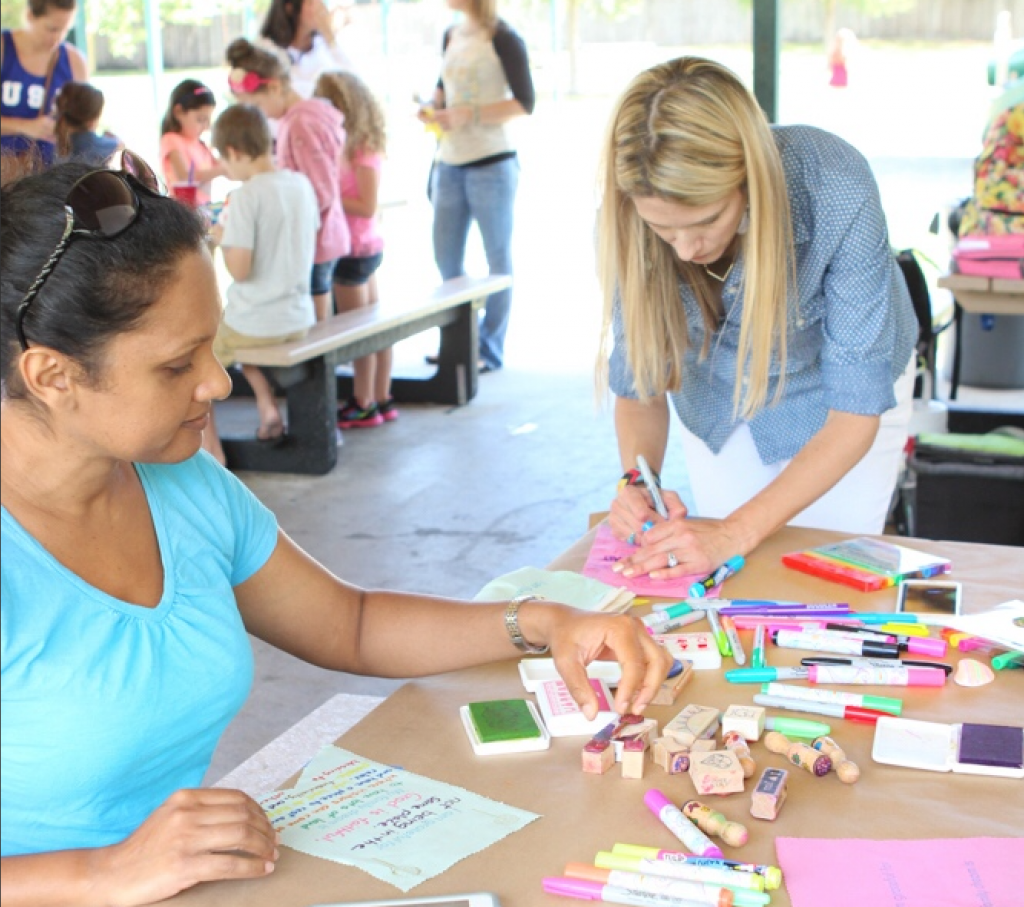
x,y
766,57
154,50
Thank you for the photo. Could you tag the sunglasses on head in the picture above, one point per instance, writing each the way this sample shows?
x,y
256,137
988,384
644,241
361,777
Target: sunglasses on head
x,y
101,205
242,82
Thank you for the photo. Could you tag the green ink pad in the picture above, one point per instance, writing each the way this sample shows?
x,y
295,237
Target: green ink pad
x,y
504,726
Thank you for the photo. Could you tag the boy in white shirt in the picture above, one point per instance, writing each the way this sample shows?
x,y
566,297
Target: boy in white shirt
x,y
267,234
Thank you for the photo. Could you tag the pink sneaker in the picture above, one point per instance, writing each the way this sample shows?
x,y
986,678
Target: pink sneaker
x,y
388,410
354,416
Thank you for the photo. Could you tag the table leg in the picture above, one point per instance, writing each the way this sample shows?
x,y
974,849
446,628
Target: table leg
x,y
958,318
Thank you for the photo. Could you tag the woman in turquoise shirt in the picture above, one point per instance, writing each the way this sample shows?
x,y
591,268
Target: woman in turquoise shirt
x,y
748,279
134,566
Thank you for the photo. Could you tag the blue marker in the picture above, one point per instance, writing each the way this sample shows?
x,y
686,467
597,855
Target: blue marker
x,y
731,566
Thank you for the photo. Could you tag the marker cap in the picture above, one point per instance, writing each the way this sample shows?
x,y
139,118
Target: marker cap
x,y
926,677
573,888
605,859
864,716
587,871
883,704
798,727
926,645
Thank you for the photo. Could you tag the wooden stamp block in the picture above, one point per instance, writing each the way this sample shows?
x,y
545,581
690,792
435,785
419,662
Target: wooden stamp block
x,y
645,730
598,756
719,772
695,722
707,745
770,794
747,720
671,688
671,755
634,754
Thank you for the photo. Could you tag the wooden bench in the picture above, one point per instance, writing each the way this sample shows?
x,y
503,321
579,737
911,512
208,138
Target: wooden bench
x,y
982,295
305,370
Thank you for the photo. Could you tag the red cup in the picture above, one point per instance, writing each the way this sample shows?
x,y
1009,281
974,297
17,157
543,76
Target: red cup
x,y
187,193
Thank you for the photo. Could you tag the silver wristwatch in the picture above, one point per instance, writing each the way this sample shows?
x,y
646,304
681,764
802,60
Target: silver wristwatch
x,y
512,626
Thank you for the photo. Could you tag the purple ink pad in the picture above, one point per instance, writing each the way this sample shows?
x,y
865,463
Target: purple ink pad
x,y
996,745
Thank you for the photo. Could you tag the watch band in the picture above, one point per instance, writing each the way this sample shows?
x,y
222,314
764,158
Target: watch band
x,y
512,626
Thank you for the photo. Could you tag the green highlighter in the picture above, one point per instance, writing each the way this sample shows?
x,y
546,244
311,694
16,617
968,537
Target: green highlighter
x,y
798,727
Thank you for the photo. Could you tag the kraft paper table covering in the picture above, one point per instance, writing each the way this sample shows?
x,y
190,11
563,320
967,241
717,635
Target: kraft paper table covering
x,y
418,728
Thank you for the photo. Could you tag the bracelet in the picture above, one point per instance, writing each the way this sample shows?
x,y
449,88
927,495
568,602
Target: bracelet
x,y
512,626
634,477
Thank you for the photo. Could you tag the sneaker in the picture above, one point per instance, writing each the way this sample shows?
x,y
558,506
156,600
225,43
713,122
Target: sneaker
x,y
388,410
354,416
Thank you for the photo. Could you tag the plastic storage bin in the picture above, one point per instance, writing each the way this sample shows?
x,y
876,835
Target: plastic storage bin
x,y
992,351
966,488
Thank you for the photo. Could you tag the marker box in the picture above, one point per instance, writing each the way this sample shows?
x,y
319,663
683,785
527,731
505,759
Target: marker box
x,y
504,726
698,648
977,749
566,719
533,671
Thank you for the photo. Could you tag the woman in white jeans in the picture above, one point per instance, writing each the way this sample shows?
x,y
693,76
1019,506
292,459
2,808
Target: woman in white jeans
x,y
748,279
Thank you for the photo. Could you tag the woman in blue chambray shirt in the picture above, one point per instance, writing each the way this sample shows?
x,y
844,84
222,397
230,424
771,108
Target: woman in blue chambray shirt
x,y
748,278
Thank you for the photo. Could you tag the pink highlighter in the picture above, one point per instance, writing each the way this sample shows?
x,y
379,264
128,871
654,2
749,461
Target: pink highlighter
x,y
877,676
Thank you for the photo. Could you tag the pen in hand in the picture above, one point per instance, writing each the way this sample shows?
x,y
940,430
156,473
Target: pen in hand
x,y
652,486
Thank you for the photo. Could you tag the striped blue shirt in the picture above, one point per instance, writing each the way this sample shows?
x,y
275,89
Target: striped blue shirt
x,y
851,325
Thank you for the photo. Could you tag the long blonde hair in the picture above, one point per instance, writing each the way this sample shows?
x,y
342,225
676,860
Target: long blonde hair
x,y
364,118
688,131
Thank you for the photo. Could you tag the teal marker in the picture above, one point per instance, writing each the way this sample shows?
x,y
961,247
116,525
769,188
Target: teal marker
x,y
765,675
881,617
1008,660
798,727
757,659
662,616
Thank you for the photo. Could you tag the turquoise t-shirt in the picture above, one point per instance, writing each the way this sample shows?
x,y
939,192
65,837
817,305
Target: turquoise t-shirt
x,y
106,708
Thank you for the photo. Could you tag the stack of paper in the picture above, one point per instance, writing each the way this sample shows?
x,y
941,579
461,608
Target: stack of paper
x,y
558,586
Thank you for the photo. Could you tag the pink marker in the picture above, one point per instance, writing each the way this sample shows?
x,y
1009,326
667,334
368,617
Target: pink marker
x,y
753,621
894,676
674,820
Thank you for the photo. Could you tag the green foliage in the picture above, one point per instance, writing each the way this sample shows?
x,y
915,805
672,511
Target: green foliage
x,y
11,14
122,22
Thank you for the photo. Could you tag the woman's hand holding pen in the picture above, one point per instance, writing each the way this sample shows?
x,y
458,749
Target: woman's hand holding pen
x,y
672,547
577,638
634,508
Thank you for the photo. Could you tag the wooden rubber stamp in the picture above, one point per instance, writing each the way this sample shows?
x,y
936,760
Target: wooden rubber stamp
x,y
694,722
718,772
770,794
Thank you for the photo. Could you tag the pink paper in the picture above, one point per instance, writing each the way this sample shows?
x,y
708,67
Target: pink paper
x,y
940,872
607,549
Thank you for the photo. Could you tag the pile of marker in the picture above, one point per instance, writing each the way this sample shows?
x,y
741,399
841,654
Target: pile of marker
x,y
632,874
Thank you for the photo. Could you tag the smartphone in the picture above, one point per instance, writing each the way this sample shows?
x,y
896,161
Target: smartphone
x,y
476,899
940,598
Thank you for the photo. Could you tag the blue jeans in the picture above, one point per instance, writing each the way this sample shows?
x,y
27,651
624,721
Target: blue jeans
x,y
487,195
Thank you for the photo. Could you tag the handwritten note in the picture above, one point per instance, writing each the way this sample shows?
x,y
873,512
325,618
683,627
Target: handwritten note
x,y
607,549
399,827
953,872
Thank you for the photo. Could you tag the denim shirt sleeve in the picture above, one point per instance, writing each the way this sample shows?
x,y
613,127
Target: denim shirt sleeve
x,y
863,294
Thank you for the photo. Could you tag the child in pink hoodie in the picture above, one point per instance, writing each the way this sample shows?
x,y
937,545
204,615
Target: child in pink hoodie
x,y
310,140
